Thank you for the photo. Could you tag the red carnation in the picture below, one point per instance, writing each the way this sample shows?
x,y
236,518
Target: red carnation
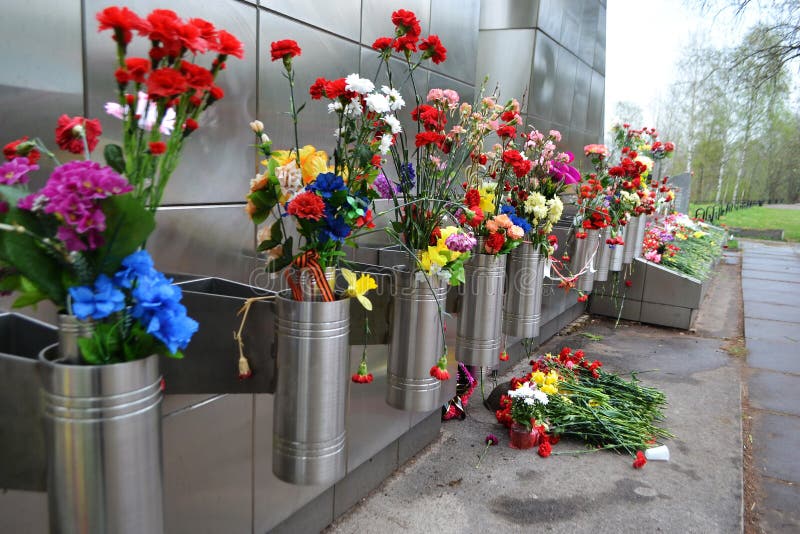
x,y
640,460
207,30
362,379
512,157
197,77
406,43
307,205
439,373
545,449
477,218
335,88
382,43
507,131
317,89
427,138
137,67
68,134
287,48
164,26
22,148
122,21
473,198
628,283
158,147
190,125
166,82
509,116
494,242
406,22
669,146
365,220
433,49
215,93
583,298
504,356
122,76
228,45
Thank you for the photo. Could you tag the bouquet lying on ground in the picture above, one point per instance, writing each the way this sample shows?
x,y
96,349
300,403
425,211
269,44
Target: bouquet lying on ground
x,y
685,245
577,399
77,241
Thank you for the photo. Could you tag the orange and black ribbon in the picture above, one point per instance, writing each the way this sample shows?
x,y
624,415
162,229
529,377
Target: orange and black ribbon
x,y
308,260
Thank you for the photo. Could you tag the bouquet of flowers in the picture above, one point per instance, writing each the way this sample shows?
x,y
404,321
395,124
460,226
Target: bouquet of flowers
x,y
685,245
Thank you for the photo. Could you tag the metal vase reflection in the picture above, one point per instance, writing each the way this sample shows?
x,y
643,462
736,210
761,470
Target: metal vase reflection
x,y
103,434
618,252
522,312
70,329
586,251
632,231
640,231
308,430
416,341
481,314
604,254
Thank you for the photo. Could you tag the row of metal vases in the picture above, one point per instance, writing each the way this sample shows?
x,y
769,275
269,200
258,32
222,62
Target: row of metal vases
x,y
103,423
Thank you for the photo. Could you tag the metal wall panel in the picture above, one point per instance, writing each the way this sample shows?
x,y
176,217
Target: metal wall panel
x,y
42,75
588,35
599,63
565,82
274,500
208,461
456,24
551,16
580,100
216,164
570,35
209,240
512,72
597,92
376,17
505,14
543,77
342,17
324,55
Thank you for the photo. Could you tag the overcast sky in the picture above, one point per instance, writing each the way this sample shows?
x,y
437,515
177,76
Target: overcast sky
x,y
644,39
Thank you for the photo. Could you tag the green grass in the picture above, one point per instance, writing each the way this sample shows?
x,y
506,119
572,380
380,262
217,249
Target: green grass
x,y
763,218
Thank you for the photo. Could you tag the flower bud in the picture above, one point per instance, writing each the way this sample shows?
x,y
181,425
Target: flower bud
x,y
264,138
257,126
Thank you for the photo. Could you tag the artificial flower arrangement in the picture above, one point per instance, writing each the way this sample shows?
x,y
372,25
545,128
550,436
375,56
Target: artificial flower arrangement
x,y
578,399
78,241
685,245
533,175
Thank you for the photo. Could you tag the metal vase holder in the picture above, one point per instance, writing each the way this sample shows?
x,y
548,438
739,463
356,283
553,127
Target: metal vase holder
x,y
481,314
618,252
604,254
103,435
523,303
586,251
416,341
640,231
70,329
631,234
310,402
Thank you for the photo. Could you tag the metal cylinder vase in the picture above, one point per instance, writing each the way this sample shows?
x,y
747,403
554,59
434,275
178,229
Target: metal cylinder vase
x,y
416,341
618,252
586,251
522,311
631,231
481,314
640,231
70,329
310,402
103,435
603,256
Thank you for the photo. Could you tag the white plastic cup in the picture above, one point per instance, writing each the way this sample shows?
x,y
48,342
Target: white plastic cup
x,y
657,453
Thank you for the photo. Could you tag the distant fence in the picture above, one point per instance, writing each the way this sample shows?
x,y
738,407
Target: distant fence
x,y
714,212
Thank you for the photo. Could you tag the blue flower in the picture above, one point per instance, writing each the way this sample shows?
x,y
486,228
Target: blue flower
x,y
157,306
407,175
326,184
508,210
137,264
335,228
98,302
521,222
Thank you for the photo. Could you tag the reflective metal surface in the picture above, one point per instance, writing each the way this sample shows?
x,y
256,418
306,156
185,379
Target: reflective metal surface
x,y
604,256
522,311
565,82
103,434
416,342
585,257
618,253
342,17
376,18
311,396
640,231
543,77
449,20
481,314
580,99
70,330
504,14
23,462
512,72
631,231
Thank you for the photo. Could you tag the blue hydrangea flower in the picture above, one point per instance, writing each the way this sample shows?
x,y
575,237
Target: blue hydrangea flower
x,y
96,302
137,264
509,210
521,222
335,228
157,306
326,184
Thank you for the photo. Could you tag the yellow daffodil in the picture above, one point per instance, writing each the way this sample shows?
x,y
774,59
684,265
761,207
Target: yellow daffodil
x,y
538,377
487,199
681,236
312,161
549,389
357,287
551,378
439,255
698,234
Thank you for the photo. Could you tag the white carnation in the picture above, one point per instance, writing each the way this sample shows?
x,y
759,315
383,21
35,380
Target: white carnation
x,y
393,123
395,98
378,103
354,82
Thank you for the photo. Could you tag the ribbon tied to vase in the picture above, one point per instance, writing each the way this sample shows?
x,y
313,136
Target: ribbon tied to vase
x,y
309,261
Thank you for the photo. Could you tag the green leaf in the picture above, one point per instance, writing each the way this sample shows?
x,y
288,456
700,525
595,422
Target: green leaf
x,y
128,224
302,106
41,269
275,237
90,350
284,260
115,158
178,355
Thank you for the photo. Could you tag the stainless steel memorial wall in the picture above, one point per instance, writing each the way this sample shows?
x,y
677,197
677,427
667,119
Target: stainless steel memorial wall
x,y
218,447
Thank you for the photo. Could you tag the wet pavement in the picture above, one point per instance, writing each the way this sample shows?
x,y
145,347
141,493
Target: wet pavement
x,y
771,293
698,490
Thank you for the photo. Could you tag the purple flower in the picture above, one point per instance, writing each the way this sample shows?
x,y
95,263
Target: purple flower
x,y
491,439
564,173
16,171
460,242
72,193
384,186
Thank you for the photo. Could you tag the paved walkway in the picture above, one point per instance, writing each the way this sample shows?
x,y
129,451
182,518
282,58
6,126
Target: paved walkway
x,y
771,292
